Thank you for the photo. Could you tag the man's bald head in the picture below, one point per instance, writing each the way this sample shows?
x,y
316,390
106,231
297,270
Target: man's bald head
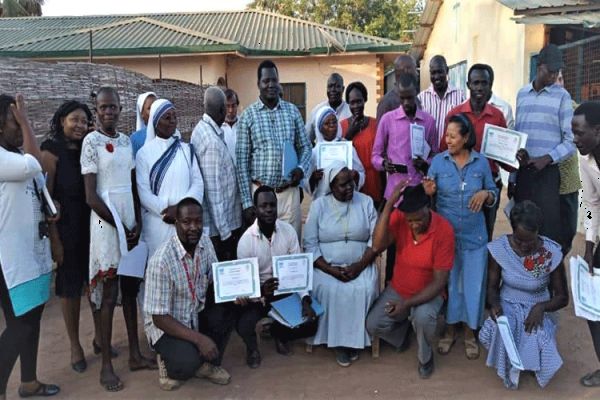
x,y
214,104
335,89
404,63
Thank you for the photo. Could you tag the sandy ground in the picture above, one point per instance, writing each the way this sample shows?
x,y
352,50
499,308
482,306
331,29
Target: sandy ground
x,y
316,375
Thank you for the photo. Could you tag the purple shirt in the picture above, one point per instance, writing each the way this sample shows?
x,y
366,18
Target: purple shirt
x,y
393,141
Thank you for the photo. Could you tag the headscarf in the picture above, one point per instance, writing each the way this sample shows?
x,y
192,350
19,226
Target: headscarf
x,y
331,172
139,121
157,111
320,117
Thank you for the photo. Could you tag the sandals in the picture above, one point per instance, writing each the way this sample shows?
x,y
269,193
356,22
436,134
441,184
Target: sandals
x,y
472,349
445,344
591,380
113,385
43,390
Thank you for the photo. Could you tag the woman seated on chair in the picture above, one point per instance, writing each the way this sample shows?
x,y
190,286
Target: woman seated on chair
x,y
338,232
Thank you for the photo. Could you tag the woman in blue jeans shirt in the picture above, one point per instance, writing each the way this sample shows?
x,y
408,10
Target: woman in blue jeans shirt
x,y
462,182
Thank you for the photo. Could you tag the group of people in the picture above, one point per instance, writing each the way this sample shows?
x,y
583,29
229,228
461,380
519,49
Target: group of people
x,y
223,196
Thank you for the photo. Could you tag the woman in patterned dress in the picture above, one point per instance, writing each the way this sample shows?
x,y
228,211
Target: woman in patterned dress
x,y
526,283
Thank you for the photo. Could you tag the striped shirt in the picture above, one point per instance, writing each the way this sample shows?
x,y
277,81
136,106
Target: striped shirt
x,y
546,117
222,204
438,107
168,289
261,136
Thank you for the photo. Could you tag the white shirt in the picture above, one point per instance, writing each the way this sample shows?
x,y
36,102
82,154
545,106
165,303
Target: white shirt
x,y
253,243
342,112
590,179
23,255
230,137
182,179
505,108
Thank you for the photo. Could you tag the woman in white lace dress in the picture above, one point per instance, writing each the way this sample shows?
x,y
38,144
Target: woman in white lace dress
x,y
107,165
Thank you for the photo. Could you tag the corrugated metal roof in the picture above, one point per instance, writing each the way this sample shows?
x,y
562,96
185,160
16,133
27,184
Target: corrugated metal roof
x,y
521,5
587,19
249,32
428,17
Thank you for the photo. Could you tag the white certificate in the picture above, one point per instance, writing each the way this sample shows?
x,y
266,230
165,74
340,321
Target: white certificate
x,y
502,144
509,342
328,152
586,290
418,145
238,278
294,271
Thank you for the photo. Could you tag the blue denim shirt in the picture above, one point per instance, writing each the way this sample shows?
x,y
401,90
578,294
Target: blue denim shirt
x,y
455,187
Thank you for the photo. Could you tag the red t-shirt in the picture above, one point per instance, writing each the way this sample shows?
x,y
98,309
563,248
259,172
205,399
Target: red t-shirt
x,y
489,115
415,263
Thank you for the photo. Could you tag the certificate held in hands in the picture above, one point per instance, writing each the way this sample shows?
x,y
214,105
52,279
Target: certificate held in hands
x,y
294,271
328,152
502,144
238,278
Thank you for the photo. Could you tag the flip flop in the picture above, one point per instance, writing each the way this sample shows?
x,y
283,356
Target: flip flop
x,y
113,386
471,349
79,366
145,364
591,380
445,345
43,390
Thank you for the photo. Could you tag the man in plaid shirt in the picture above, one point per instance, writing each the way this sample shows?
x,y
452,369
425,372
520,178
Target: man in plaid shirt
x,y
266,128
177,280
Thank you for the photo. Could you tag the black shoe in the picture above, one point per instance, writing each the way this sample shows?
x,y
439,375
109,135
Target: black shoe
x,y
43,390
342,357
425,370
283,348
353,354
253,359
80,366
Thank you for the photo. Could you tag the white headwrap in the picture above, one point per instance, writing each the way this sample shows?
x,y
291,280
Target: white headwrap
x,y
320,116
139,121
331,172
157,111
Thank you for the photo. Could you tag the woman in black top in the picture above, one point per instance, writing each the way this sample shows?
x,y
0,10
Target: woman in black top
x,y
70,237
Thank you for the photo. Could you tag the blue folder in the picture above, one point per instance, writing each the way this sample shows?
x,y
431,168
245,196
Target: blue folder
x,y
288,310
290,160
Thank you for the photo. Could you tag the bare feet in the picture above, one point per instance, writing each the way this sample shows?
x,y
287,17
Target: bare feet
x,y
140,362
109,380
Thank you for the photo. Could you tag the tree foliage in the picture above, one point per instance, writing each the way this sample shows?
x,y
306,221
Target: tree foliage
x,y
21,8
393,19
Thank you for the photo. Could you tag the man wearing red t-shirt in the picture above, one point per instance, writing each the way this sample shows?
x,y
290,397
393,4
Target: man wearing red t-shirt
x,y
424,257
479,112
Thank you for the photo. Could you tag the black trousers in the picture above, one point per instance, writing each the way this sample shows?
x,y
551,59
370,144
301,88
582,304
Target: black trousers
x,y
245,319
226,250
569,206
182,358
595,325
20,339
542,187
490,212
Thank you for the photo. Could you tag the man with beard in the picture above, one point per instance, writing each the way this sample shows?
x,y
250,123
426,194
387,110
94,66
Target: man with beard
x,y
479,112
335,92
440,97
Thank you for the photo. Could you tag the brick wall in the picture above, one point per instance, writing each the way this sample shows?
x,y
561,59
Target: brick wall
x,y
46,85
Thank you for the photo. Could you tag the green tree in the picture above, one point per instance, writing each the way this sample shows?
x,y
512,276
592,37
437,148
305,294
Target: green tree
x,y
21,8
394,19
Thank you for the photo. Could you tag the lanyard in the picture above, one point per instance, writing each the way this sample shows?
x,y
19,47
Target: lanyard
x,y
191,284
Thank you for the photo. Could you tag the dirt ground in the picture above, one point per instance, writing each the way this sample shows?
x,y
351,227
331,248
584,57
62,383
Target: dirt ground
x,y
316,375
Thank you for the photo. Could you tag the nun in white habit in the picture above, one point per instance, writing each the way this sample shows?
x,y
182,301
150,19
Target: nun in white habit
x,y
166,172
328,129
338,232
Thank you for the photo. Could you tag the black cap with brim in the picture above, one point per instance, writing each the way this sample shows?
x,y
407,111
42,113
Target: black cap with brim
x,y
414,199
552,57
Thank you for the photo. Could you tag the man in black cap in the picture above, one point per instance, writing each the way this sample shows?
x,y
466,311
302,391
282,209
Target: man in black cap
x,y
424,257
544,111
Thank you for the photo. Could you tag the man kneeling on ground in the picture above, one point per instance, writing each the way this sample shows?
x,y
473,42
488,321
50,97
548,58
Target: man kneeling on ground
x,y
177,279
